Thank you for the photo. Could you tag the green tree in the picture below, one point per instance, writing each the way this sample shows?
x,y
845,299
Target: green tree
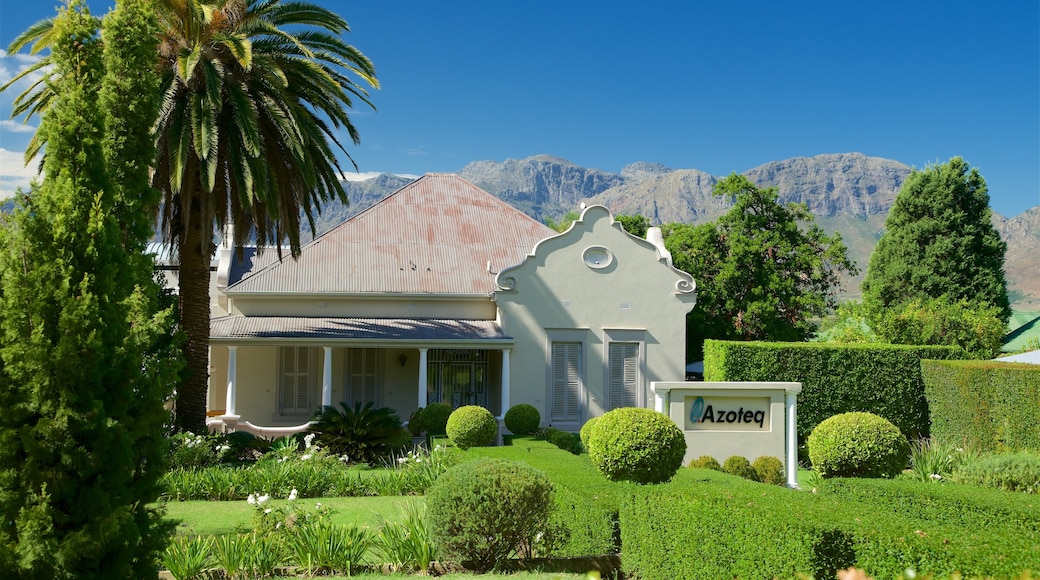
x,y
637,225
939,242
253,95
87,358
764,271
564,223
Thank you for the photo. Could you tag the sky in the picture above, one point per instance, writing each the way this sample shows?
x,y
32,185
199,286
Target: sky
x,y
714,86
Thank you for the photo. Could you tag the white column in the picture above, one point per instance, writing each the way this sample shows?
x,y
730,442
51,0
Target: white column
x,y
791,409
505,382
229,402
326,379
422,378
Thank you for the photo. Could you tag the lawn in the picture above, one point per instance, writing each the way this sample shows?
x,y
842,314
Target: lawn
x,y
214,518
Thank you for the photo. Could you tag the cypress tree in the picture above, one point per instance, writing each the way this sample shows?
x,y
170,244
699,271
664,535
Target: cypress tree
x,y
87,357
939,242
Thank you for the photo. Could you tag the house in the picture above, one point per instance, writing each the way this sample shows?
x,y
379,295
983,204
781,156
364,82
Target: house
x,y
442,292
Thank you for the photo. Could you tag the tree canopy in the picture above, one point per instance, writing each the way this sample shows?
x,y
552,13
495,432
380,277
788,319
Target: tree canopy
x,y
939,242
88,356
764,270
254,94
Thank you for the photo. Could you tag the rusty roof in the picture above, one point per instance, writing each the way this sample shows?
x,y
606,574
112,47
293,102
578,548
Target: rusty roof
x,y
230,328
435,235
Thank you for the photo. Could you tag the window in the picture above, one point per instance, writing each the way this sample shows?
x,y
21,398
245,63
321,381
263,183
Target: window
x,y
363,376
457,376
297,374
624,375
566,382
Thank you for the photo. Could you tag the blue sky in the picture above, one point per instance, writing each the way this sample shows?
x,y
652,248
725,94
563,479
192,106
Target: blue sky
x,y
720,86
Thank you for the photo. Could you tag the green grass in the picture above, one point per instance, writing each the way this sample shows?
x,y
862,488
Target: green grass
x,y
226,517
514,576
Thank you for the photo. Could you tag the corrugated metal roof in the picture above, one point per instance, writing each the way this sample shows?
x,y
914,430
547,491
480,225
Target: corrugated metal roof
x,y
436,235
354,329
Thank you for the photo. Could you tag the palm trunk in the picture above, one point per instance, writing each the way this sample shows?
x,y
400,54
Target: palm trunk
x,y
195,251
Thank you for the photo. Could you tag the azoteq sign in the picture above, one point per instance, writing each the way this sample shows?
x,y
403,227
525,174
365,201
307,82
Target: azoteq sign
x,y
727,413
723,419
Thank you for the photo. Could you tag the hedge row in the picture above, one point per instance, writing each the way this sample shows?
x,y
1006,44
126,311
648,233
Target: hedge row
x,y
711,525
586,502
988,406
880,379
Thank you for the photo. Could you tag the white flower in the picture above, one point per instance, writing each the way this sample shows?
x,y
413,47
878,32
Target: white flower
x,y
402,460
267,511
936,476
306,456
292,494
260,500
344,458
251,499
317,506
308,439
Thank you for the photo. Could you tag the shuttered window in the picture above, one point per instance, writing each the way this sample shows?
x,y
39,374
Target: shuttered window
x,y
624,374
363,376
294,392
566,381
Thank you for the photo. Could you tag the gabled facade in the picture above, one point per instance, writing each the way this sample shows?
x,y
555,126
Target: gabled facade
x,y
442,292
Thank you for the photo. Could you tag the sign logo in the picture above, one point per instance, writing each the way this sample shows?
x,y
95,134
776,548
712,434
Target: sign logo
x,y
720,413
697,410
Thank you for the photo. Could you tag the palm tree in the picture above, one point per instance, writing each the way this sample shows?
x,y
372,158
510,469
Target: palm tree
x,y
253,95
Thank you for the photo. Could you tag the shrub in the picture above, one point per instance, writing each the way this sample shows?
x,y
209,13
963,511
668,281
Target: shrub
x,y
485,510
471,426
741,467
635,444
858,445
364,435
567,441
984,405
706,462
1010,472
770,470
586,431
434,419
522,419
415,426
836,378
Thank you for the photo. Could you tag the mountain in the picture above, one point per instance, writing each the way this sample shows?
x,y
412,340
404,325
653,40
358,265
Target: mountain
x,y
849,193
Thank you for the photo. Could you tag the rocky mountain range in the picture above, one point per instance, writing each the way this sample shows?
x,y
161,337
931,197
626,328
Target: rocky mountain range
x,y
850,193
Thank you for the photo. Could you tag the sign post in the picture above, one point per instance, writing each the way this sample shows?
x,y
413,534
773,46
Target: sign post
x,y
730,418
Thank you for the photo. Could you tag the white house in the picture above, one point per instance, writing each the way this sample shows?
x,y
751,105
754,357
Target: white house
x,y
442,292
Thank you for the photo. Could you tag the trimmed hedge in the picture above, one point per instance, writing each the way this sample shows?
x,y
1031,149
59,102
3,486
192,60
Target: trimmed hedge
x,y
585,501
858,444
704,524
984,405
836,378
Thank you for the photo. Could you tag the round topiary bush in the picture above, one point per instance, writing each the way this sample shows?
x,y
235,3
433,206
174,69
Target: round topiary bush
x,y
705,462
586,431
857,445
564,440
471,426
741,467
522,419
770,470
635,444
482,511
434,419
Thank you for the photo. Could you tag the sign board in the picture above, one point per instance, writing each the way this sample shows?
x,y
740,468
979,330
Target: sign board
x,y
723,419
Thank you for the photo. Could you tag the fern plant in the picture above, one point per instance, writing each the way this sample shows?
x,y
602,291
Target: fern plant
x,y
363,434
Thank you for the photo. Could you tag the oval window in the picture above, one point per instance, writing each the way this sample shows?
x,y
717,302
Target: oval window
x,y
597,257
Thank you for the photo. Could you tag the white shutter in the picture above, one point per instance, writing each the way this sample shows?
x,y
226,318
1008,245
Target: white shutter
x,y
624,374
294,393
363,378
566,383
